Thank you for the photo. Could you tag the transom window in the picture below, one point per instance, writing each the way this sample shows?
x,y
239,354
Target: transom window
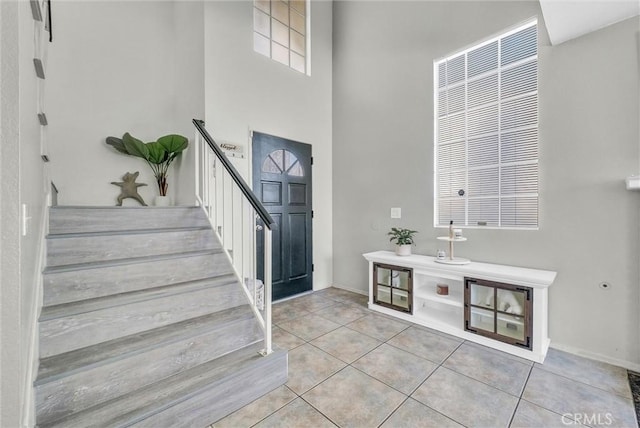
x,y
282,162
486,133
280,31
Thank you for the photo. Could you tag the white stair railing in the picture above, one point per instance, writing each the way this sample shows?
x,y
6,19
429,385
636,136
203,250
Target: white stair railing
x,y
240,221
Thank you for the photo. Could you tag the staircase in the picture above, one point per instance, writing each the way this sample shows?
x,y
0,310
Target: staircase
x,y
144,323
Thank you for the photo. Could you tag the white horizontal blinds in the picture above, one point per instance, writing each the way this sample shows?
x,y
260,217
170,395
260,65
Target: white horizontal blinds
x,y
280,31
487,133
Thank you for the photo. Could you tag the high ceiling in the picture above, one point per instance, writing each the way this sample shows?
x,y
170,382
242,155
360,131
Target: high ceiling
x,y
568,19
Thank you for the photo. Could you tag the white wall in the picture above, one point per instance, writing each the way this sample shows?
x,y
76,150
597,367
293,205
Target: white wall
x,y
23,177
589,135
121,66
245,90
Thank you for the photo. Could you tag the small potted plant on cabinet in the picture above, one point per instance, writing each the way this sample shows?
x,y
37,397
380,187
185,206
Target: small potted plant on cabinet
x,y
403,239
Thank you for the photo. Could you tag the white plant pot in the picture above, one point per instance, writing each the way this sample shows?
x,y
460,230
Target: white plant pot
x,y
403,250
162,201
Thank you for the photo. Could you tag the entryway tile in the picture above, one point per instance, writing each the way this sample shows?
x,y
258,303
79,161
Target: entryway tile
x,y
425,344
490,367
465,400
311,302
308,366
346,344
566,396
595,373
297,414
337,294
395,367
416,415
283,311
258,410
350,398
528,415
377,326
342,313
356,299
309,327
285,340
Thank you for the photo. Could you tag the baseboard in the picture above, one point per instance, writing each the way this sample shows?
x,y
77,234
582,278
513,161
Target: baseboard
x,y
353,290
595,356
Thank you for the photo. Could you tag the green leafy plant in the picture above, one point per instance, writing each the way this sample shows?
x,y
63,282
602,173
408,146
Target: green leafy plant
x,y
402,236
158,154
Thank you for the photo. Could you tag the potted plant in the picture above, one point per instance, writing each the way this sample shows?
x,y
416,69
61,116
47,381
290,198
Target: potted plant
x,y
158,154
403,238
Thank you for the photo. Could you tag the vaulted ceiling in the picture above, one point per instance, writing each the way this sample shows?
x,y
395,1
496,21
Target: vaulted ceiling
x,y
568,19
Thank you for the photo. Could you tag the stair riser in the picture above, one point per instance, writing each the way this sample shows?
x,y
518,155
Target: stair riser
x,y
78,331
98,248
77,392
83,220
72,286
225,397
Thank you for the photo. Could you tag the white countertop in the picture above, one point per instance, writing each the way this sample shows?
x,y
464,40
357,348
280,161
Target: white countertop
x,y
535,278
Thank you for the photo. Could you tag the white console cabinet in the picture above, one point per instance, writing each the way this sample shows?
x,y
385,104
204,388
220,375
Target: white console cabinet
x,y
503,307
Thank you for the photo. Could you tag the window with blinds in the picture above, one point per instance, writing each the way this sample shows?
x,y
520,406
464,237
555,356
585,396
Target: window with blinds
x,y
280,31
486,133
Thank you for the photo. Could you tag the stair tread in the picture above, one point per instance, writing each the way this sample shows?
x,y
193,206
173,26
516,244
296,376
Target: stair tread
x,y
57,366
126,232
99,303
142,403
128,261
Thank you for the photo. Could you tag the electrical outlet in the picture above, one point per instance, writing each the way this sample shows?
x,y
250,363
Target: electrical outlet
x,y
396,212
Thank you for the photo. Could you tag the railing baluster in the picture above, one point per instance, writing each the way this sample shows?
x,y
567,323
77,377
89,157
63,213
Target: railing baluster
x,y
267,291
213,190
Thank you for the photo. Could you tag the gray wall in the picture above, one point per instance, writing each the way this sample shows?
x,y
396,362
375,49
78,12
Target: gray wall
x,y
23,177
589,142
248,91
122,66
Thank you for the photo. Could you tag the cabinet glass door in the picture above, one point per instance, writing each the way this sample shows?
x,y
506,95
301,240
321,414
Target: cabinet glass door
x,y
400,279
392,286
500,311
400,298
384,294
482,319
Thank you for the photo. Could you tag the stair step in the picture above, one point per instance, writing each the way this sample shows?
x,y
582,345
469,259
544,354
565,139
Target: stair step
x,y
94,247
71,219
85,281
106,302
195,397
81,327
72,382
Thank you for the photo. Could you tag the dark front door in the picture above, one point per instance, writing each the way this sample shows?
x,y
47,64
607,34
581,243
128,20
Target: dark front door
x,y
282,181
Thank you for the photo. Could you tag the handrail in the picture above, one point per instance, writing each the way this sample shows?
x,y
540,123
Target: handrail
x,y
244,188
233,220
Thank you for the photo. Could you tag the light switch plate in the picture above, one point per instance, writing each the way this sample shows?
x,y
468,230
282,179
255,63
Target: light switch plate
x,y
396,212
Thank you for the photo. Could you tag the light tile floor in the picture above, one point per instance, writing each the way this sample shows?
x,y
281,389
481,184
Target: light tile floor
x,y
352,367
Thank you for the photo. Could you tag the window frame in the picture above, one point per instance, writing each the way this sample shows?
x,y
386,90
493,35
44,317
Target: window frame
x,y
532,22
271,18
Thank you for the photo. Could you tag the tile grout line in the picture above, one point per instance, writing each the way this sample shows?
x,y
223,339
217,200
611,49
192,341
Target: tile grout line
x,y
541,367
407,396
355,368
515,409
275,411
